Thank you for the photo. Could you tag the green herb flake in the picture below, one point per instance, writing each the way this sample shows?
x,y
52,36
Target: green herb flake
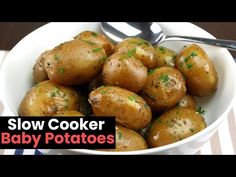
x,y
143,43
97,49
52,94
189,66
132,98
173,58
37,85
130,53
200,110
187,59
151,71
57,90
94,34
192,130
193,54
56,57
119,135
88,42
159,121
66,103
61,70
146,105
103,92
170,123
162,50
181,64
164,78
179,124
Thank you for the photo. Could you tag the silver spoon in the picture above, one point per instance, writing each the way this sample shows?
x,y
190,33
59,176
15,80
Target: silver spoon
x,y
152,32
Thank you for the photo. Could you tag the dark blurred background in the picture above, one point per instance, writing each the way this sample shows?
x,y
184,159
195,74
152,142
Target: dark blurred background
x,y
12,32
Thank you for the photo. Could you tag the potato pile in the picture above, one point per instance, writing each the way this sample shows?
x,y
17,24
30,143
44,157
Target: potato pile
x,y
149,89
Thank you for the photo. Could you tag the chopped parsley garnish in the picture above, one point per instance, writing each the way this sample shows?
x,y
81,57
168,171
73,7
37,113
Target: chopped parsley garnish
x,y
61,70
159,121
37,85
171,123
143,43
189,66
186,59
181,64
119,135
192,130
56,57
57,90
162,49
193,54
94,34
164,78
130,53
200,110
151,71
66,103
173,58
103,92
132,98
146,105
52,94
88,42
97,49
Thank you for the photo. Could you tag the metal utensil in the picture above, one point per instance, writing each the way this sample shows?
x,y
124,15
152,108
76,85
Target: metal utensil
x,y
152,32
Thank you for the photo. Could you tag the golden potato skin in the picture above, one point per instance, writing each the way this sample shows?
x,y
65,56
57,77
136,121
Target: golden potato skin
x,y
128,140
97,39
174,125
69,113
165,56
198,69
39,72
47,98
75,62
187,101
124,71
139,48
129,109
164,88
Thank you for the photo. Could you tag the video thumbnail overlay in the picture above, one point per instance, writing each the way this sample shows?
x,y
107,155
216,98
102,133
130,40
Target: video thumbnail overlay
x,y
57,132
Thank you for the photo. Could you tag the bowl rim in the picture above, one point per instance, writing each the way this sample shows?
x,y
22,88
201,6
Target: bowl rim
x,y
212,127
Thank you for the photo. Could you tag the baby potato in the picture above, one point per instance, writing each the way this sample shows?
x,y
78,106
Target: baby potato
x,y
140,49
39,72
47,98
129,109
97,39
164,88
124,71
165,56
69,113
75,62
128,140
198,69
174,125
187,101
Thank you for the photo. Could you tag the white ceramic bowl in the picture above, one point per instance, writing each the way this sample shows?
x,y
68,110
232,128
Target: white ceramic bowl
x,y
16,77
